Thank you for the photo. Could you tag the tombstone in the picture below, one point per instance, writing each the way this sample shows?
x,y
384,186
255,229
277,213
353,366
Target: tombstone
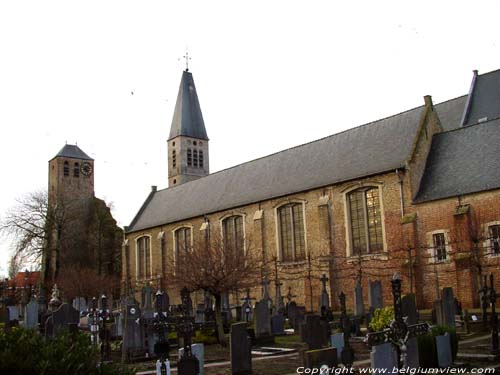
x,y
262,319
324,299
291,312
167,367
133,335
375,298
147,298
278,324
65,317
226,309
119,325
409,307
359,308
198,350
321,359
80,304
443,347
384,356
13,313
240,349
448,307
337,342
314,334
200,314
412,360
31,315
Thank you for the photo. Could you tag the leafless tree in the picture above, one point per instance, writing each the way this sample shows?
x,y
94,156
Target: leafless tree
x,y
86,282
217,267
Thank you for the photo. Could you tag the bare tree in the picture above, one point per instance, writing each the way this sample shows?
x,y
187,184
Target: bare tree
x,y
86,282
27,223
217,267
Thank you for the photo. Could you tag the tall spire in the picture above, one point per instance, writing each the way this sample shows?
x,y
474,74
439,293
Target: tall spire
x,y
187,120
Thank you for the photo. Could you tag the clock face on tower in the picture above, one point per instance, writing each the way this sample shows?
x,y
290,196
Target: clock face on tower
x,y
86,168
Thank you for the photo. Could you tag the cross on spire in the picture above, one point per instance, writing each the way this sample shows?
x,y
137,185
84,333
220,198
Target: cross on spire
x,y
186,56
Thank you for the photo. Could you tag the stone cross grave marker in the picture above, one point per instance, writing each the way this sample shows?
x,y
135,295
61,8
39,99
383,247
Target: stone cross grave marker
x,y
279,303
324,299
399,332
187,364
246,307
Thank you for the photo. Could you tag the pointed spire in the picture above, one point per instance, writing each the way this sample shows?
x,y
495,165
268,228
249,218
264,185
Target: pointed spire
x,y
188,120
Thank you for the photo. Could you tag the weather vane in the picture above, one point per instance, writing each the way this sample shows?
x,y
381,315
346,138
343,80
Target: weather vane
x,y
186,56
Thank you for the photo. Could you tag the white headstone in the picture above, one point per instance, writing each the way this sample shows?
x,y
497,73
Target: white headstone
x,y
337,341
158,367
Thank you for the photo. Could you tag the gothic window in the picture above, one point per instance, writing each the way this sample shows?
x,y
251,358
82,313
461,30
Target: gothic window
x,y
143,257
200,157
189,157
365,221
182,240
76,170
232,233
66,169
494,233
195,158
291,232
174,159
439,242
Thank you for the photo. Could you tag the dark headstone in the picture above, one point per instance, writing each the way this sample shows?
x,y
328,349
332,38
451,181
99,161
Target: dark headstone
x,y
4,318
314,335
448,306
262,319
409,307
321,358
384,357
278,324
375,295
241,350
133,335
188,365
359,309
65,316
443,347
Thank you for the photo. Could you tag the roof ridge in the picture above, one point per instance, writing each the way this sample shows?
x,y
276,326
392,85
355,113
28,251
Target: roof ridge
x,y
468,126
310,142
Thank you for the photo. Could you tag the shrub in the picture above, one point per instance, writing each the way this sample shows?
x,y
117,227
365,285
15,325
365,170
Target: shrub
x,y
205,336
382,318
26,352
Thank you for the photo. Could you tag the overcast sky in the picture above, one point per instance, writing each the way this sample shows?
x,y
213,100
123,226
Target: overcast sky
x,y
269,75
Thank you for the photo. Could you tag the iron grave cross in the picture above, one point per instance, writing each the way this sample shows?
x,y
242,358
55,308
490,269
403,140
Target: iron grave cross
x,y
399,332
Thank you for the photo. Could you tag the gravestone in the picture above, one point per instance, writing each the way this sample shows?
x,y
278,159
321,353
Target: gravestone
x,y
359,309
31,315
443,346
409,307
337,342
314,334
291,312
278,324
198,350
412,359
4,318
262,319
167,367
324,299
320,359
119,325
133,336
375,295
13,313
241,350
384,356
80,304
448,307
65,317
200,313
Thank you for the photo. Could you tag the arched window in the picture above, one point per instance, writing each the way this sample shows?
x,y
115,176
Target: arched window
x,y
195,158
143,257
76,170
200,158
182,240
232,233
291,232
174,159
66,169
365,221
189,157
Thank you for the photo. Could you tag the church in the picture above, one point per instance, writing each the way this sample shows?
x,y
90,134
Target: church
x,y
416,193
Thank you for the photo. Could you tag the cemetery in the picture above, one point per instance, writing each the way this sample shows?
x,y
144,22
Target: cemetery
x,y
265,335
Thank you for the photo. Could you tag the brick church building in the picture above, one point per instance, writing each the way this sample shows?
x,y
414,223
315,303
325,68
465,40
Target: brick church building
x,y
417,193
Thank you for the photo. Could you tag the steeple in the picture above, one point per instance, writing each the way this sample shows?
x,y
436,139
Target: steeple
x,y
188,140
188,120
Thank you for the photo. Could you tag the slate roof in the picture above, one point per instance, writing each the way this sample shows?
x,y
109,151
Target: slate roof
x,y
73,151
370,149
187,120
484,98
462,161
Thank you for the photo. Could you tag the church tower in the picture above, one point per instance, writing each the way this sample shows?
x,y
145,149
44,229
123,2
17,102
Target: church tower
x,y
188,141
71,175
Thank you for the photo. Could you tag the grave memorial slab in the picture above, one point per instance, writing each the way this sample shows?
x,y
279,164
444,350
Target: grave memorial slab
x,y
443,346
375,295
240,349
321,358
